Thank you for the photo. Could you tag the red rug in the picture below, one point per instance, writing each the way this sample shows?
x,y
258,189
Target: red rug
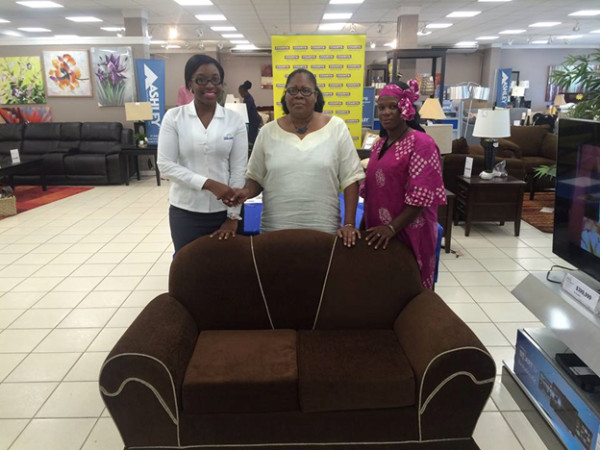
x,y
532,211
29,197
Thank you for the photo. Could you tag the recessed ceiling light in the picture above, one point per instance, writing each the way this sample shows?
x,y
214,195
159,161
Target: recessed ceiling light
x,y
210,17
41,4
11,33
466,44
463,14
336,16
486,38
544,24
4,21
570,36
83,19
512,32
232,35
113,29
372,45
172,46
35,30
586,13
194,2
240,41
345,2
335,26
173,33
223,28
439,25
391,44
540,42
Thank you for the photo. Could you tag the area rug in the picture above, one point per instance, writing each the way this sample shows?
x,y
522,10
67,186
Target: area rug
x,y
29,197
533,214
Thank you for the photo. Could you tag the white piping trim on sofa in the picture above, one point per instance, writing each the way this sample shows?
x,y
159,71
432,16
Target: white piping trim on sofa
x,y
447,380
325,283
300,444
161,400
260,282
425,374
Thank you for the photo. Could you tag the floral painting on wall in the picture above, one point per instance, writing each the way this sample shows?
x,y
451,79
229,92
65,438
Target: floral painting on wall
x,y
21,81
26,114
113,75
67,74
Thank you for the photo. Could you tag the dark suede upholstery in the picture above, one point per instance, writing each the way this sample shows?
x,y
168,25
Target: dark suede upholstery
x,y
73,152
359,354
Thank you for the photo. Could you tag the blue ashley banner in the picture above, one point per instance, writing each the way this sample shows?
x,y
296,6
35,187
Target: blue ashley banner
x,y
368,107
503,87
151,88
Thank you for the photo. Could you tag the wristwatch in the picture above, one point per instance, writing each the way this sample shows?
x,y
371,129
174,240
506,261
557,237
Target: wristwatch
x,y
233,216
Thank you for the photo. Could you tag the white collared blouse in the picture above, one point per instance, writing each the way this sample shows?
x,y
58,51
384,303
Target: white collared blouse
x,y
189,154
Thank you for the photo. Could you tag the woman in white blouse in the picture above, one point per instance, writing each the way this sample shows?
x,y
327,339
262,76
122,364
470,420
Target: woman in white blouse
x,y
301,161
203,150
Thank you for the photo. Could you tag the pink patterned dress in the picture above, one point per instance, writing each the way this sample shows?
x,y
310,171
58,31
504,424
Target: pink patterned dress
x,y
409,173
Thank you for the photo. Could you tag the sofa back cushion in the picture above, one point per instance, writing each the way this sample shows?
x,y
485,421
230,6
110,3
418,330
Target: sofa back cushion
x,y
529,139
40,138
11,136
100,137
217,282
70,135
549,146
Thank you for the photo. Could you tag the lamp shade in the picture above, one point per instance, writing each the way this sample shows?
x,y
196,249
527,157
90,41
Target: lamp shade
x,y
458,92
559,100
492,123
518,91
135,111
432,109
239,108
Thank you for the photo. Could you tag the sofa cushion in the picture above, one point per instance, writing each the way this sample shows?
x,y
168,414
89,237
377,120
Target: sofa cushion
x,y
460,146
549,146
80,164
352,370
242,371
529,139
508,149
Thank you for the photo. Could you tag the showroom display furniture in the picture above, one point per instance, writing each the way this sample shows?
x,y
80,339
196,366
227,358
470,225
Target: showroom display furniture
x,y
291,340
73,152
9,169
133,151
498,199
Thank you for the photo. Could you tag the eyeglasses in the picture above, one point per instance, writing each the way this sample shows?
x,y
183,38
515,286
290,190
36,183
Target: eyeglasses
x,y
201,81
305,91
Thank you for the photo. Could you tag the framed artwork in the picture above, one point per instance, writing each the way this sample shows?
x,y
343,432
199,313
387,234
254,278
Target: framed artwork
x,y
67,73
266,76
26,114
21,81
113,74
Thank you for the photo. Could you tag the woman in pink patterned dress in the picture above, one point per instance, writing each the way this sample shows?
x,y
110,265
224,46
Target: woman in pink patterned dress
x,y
404,183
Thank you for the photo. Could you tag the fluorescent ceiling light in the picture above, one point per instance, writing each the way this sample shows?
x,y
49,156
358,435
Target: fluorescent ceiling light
x,y
157,42
246,47
173,33
332,26
41,4
345,2
512,32
570,36
83,19
486,38
586,13
463,14
232,35
12,33
210,17
223,28
372,45
540,42
113,29
4,21
172,46
194,2
466,44
438,25
240,41
423,33
65,36
595,31
391,44
544,24
35,30
336,16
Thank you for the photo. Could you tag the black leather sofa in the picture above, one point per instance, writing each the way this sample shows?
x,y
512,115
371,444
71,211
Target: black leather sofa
x,y
73,152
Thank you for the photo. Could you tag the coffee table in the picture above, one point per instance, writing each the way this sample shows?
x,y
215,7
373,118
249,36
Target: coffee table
x,y
10,169
499,199
127,151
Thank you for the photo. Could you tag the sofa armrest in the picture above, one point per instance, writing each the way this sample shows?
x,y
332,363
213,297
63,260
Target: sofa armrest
x,y
127,136
476,150
141,379
454,372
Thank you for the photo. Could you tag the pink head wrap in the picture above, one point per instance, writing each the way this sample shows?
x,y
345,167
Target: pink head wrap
x,y
406,97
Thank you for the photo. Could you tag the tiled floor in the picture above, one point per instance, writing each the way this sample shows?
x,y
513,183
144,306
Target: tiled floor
x,y
75,273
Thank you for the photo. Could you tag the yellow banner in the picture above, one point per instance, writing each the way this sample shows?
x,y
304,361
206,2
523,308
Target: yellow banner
x,y
338,62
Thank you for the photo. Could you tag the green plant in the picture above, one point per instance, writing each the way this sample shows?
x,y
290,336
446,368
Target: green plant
x,y
583,70
139,137
545,171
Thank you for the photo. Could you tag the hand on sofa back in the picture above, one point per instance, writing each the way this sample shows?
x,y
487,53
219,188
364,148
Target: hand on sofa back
x,y
217,282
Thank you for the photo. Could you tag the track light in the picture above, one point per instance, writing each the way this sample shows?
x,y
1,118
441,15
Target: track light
x,y
576,27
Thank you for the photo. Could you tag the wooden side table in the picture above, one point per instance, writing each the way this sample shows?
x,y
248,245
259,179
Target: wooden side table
x,y
499,199
128,151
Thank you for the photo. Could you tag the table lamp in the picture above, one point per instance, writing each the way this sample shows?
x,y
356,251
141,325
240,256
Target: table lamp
x,y
137,112
491,124
239,108
432,109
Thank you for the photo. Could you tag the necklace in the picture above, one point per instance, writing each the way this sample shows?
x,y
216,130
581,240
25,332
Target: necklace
x,y
301,130
389,143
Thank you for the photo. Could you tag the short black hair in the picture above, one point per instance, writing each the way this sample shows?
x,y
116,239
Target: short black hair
x,y
246,85
319,105
199,60
414,123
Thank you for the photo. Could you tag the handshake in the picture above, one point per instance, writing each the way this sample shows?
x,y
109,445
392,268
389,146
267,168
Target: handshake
x,y
229,196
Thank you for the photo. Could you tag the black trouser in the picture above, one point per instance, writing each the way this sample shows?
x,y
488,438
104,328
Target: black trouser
x,y
187,226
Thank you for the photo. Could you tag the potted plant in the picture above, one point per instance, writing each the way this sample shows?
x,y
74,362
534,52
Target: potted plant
x,y
140,139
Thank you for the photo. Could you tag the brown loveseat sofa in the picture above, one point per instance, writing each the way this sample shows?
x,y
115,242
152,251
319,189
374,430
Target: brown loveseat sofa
x,y
291,340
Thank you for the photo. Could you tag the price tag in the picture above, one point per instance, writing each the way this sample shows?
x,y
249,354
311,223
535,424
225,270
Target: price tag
x,y
14,155
584,294
468,167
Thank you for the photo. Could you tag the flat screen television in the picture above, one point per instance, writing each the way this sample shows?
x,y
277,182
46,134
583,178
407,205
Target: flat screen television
x,y
576,236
